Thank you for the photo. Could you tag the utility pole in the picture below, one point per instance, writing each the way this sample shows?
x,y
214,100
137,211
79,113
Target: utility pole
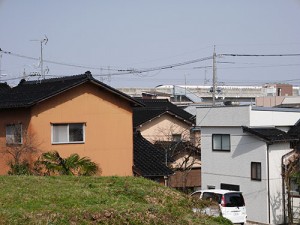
x,y
214,80
0,62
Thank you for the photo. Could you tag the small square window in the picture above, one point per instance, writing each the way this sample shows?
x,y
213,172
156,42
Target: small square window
x,y
221,142
256,171
176,137
14,134
68,133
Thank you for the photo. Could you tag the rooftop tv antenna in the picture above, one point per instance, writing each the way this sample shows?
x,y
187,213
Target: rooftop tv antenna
x,y
42,41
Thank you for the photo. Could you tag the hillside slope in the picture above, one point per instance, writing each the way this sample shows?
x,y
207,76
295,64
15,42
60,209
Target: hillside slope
x,y
94,200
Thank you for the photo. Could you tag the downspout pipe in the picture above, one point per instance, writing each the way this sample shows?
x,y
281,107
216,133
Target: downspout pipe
x,y
283,166
268,172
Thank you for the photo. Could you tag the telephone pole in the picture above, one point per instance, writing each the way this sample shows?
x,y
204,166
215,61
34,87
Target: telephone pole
x,y
0,62
214,80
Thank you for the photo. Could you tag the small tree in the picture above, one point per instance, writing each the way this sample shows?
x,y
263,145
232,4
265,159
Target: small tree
x,y
21,148
291,171
51,163
181,154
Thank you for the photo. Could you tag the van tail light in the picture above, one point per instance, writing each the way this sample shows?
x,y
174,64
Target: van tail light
x,y
223,203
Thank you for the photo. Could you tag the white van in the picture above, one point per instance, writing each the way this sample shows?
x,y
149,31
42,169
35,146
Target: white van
x,y
232,204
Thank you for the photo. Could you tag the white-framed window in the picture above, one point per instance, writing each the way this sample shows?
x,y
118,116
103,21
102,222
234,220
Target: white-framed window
x,y
221,142
68,133
256,171
14,134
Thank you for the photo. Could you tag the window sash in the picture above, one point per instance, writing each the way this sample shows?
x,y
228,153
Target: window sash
x,y
14,134
221,142
68,133
256,171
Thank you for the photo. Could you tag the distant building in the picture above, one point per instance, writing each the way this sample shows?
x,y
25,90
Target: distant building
x,y
278,89
183,95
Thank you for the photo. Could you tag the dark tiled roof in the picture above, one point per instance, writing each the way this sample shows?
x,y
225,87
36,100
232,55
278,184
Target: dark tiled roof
x,y
4,87
28,93
269,134
142,115
295,130
167,105
148,159
156,107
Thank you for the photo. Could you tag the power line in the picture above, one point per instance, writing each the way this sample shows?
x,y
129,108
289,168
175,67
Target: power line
x,y
54,62
170,66
120,71
133,71
259,55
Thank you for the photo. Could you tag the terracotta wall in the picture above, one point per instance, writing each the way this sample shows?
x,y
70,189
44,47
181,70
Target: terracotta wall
x,y
108,127
8,117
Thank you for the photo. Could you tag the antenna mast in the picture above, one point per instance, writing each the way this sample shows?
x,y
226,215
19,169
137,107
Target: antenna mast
x,y
44,40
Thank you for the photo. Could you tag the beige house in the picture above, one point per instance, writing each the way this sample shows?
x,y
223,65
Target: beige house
x,y
170,129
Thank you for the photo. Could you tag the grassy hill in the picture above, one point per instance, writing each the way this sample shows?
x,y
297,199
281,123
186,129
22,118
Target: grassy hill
x,y
95,200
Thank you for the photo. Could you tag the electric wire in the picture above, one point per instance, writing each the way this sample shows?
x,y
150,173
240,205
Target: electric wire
x,y
141,72
118,71
259,55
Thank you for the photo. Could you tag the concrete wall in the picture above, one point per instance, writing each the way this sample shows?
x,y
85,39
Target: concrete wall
x,y
280,117
234,167
276,151
223,116
246,116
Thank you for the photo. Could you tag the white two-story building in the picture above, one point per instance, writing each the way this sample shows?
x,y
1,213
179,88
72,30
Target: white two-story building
x,y
243,148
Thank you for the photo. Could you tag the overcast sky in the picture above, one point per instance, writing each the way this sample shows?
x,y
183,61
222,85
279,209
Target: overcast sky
x,y
110,37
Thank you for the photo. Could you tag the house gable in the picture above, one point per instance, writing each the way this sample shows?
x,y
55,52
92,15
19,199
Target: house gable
x,y
106,116
160,119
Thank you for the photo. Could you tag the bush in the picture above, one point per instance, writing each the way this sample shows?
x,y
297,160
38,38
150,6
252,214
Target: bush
x,y
19,168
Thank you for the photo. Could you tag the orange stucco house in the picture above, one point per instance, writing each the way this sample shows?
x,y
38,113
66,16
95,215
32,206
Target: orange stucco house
x,y
76,114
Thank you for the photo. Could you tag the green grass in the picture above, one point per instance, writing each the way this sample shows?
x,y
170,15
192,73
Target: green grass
x,y
95,200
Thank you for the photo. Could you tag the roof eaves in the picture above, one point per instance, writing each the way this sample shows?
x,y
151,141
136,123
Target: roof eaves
x,y
87,78
150,120
265,138
55,93
251,131
179,117
117,92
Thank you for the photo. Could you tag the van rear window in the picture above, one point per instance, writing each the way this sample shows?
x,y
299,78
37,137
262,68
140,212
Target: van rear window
x,y
212,197
234,200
